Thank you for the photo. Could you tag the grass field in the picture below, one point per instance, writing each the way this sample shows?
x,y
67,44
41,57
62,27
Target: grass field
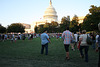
x,y
27,54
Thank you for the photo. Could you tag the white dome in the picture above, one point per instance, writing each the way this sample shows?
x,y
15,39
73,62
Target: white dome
x,y
50,14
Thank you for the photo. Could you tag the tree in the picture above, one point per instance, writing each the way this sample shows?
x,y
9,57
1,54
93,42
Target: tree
x,y
80,27
75,18
64,23
53,26
46,25
36,29
94,9
92,19
74,25
87,23
50,27
41,28
2,29
16,28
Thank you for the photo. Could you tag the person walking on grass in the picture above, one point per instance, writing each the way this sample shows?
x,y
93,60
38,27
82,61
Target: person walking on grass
x,y
76,40
79,42
67,37
73,42
98,44
84,45
44,42
93,36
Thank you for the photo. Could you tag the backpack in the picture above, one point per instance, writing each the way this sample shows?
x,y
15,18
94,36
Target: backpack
x,y
89,40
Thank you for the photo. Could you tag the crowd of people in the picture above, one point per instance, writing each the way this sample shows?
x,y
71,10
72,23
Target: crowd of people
x,y
74,39
15,36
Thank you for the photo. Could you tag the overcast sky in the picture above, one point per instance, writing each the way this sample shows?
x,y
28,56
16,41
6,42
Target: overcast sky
x,y
28,11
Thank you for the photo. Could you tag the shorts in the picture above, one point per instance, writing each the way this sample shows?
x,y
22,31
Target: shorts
x,y
66,47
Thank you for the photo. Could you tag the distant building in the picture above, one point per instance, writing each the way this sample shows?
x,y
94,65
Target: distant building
x,y
27,28
81,19
50,15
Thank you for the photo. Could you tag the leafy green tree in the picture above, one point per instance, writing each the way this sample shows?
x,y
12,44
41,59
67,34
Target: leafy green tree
x,y
16,28
75,18
50,27
92,19
40,28
62,28
46,25
74,25
36,29
80,27
87,23
2,29
94,9
53,26
64,23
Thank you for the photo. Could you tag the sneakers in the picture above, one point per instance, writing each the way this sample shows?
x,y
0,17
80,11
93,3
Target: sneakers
x,y
82,56
73,49
67,58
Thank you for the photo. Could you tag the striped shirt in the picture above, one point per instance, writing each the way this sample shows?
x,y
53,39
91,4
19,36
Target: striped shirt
x,y
67,37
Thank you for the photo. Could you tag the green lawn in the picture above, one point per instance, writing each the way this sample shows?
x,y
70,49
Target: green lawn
x,y
27,54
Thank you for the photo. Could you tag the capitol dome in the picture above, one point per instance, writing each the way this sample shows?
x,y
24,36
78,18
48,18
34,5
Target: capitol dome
x,y
50,14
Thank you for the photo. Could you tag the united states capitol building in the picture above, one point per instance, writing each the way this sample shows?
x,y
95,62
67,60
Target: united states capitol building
x,y
50,15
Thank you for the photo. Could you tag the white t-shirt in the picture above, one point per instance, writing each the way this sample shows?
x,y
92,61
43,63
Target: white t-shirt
x,y
76,35
83,42
97,38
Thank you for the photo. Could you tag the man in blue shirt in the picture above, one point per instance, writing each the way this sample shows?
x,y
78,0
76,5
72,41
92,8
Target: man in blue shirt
x,y
44,42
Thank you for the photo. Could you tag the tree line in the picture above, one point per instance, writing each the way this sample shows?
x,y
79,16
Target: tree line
x,y
90,23
14,28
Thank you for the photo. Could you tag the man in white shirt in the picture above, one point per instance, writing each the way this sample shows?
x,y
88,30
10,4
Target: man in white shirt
x,y
76,40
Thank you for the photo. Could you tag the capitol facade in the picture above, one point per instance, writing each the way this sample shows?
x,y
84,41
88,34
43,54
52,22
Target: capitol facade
x,y
50,15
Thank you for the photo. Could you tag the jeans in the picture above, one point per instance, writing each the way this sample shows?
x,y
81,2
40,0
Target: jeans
x,y
46,49
75,44
86,48
93,43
